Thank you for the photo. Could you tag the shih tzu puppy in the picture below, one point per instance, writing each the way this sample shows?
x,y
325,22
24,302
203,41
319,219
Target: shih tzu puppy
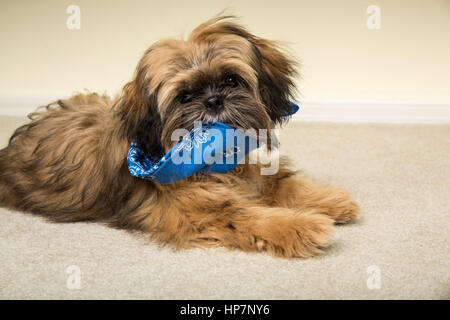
x,y
69,163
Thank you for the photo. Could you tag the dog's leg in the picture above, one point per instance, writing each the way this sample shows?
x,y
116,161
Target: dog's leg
x,y
279,231
215,216
296,192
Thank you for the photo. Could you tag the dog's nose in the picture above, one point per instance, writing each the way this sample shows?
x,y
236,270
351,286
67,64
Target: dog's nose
x,y
214,103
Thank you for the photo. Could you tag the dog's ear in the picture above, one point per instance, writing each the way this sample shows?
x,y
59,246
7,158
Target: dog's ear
x,y
276,72
138,109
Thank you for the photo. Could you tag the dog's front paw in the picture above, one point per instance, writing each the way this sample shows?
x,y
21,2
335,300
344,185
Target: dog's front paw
x,y
302,236
343,208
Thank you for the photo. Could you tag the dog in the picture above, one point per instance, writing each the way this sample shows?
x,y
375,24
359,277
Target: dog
x,y
69,162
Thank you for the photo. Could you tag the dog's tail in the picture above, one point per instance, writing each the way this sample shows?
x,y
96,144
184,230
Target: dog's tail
x,y
9,196
4,185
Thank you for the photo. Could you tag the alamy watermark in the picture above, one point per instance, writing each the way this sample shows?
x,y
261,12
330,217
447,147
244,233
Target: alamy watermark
x,y
374,20
73,21
227,146
374,280
74,279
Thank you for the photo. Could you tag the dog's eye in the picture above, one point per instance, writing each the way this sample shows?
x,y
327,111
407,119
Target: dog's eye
x,y
231,80
186,97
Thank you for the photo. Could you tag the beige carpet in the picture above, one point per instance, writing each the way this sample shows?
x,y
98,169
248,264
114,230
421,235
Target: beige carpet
x,y
400,174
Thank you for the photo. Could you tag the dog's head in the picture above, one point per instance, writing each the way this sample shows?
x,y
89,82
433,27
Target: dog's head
x,y
221,72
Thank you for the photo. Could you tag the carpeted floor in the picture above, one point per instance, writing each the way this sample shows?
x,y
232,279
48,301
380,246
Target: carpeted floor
x,y
400,174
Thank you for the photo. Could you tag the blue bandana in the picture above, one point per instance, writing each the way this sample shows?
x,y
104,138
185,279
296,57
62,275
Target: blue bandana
x,y
209,147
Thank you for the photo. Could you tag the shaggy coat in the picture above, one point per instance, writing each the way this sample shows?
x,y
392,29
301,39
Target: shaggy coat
x,y
69,162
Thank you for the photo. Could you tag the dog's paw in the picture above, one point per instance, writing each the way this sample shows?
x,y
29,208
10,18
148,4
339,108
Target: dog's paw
x,y
303,236
344,209
315,231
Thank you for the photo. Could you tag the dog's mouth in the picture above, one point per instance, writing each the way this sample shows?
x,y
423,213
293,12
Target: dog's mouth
x,y
242,113
235,117
214,116
211,116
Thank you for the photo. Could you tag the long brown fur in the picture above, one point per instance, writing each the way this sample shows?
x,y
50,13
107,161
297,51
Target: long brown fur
x,y
69,162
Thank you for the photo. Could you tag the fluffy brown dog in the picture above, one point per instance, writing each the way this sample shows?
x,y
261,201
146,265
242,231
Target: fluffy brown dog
x,y
69,162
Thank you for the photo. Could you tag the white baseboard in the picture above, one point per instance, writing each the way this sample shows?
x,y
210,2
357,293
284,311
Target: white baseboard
x,y
376,111
16,105
311,110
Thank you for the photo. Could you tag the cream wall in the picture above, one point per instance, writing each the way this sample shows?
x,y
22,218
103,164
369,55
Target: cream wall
x,y
408,58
